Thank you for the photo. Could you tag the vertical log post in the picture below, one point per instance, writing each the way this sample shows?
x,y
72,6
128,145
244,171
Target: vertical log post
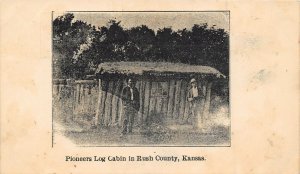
x,y
77,106
177,99
187,111
77,92
98,108
94,95
146,100
152,103
183,93
103,101
207,100
115,107
159,99
108,104
138,116
74,93
165,100
81,102
171,99
142,97
121,105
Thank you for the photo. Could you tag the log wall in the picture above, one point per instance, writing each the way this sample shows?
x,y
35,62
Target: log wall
x,y
75,100
99,102
165,100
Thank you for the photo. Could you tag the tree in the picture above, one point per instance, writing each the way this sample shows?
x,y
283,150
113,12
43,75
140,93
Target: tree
x,y
141,44
167,45
79,47
108,44
68,37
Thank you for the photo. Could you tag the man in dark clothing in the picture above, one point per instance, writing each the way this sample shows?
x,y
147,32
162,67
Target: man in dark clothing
x,y
131,105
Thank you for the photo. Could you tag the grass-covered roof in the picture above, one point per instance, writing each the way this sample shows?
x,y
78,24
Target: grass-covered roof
x,y
139,68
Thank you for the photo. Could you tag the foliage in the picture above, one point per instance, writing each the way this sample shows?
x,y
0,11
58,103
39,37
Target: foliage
x,y
79,47
68,37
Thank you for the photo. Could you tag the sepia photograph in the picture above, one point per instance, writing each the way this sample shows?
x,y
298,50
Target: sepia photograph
x,y
149,86
141,78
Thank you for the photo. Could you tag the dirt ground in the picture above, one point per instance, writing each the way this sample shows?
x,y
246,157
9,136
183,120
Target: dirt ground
x,y
215,131
153,135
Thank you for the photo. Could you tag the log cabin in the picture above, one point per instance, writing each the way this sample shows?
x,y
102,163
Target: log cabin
x,y
163,88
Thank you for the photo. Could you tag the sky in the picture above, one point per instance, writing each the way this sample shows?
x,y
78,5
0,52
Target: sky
x,y
155,20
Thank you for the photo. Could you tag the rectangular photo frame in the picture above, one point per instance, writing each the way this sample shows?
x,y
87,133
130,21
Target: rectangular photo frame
x,y
141,78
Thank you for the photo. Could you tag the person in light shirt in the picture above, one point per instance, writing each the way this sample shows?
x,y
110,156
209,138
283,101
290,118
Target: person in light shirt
x,y
131,104
195,97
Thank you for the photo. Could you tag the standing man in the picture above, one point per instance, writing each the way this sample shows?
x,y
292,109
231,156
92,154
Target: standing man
x,y
195,97
131,105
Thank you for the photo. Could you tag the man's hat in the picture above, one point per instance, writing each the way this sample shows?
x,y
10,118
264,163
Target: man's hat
x,y
193,80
